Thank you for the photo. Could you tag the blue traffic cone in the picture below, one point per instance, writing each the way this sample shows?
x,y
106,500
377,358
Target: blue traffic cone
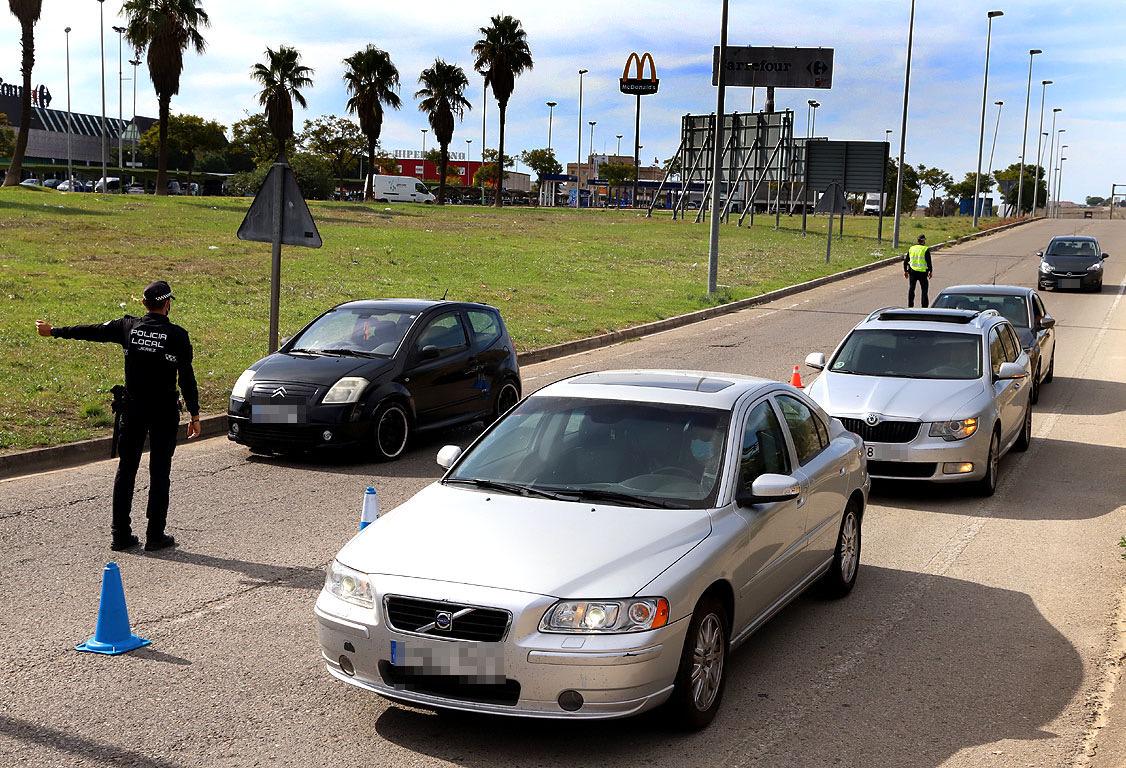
x,y
369,513
112,634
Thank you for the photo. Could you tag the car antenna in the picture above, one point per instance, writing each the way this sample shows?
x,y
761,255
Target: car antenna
x,y
444,295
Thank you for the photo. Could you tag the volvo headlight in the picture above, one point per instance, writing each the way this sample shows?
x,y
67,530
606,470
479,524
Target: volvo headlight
x,y
242,385
349,585
347,390
606,616
1097,266
958,429
1045,267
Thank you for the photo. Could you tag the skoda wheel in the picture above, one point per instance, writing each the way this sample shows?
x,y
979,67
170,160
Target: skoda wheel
x,y
988,484
702,674
841,576
507,396
1025,438
392,431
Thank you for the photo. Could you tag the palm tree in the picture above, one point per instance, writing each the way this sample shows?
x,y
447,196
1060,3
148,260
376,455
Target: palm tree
x,y
443,98
372,81
282,77
166,28
27,11
502,54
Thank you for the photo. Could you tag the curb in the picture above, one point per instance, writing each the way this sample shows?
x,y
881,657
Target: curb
x,y
86,451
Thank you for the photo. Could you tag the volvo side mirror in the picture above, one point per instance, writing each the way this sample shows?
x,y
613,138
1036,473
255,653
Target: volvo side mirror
x,y
769,488
448,456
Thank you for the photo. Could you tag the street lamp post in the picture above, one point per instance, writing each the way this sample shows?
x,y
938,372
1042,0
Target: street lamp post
x,y
69,119
424,141
887,135
903,130
579,157
1059,179
102,40
1039,144
136,135
993,148
550,117
1024,134
808,117
813,129
717,157
1051,163
1056,140
981,133
468,181
618,151
120,109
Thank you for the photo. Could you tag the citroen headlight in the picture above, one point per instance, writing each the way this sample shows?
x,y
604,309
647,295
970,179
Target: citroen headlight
x,y
242,386
1045,267
1096,267
349,585
606,616
958,429
347,390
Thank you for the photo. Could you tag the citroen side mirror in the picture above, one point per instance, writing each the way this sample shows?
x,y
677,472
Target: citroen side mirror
x,y
1040,254
1106,256
429,352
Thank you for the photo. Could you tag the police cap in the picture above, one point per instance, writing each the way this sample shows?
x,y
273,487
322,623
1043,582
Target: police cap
x,y
158,291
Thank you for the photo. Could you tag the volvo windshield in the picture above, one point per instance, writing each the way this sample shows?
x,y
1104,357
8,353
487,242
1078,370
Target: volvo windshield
x,y
602,451
910,354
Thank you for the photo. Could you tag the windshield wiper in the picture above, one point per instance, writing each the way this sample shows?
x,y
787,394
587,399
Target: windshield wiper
x,y
599,494
513,488
345,351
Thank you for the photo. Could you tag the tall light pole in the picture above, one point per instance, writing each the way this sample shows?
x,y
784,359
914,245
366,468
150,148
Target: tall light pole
x,y
981,133
887,136
550,118
579,157
423,140
717,157
69,119
618,151
1024,134
996,127
1051,162
102,40
813,128
1056,139
903,130
120,109
468,181
1039,158
592,123
1059,179
136,135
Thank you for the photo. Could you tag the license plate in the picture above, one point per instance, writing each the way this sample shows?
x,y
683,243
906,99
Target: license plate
x,y
476,662
1069,282
277,414
883,452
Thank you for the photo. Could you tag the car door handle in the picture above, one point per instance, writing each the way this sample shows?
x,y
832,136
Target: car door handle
x,y
841,471
801,501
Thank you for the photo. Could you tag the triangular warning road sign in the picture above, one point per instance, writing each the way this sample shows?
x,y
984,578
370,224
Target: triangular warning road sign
x,y
298,227
832,200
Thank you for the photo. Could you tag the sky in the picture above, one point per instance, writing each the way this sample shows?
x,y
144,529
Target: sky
x,y
1082,42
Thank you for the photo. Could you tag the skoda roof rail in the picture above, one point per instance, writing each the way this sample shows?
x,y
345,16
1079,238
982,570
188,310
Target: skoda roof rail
x,y
959,316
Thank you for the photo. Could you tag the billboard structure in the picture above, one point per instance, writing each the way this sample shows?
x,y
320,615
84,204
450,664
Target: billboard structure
x,y
858,167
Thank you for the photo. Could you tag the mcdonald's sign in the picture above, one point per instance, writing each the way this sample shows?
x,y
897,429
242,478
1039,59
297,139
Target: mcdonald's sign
x,y
639,85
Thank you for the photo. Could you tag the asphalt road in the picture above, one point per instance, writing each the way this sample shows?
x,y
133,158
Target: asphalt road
x,y
977,635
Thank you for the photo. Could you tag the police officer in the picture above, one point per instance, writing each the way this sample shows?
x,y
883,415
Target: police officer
x,y
917,268
156,350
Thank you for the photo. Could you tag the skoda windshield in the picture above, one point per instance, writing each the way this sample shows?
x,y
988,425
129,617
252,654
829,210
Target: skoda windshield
x,y
910,354
602,451
355,331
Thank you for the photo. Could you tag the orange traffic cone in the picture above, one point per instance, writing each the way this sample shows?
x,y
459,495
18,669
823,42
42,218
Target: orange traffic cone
x,y
795,378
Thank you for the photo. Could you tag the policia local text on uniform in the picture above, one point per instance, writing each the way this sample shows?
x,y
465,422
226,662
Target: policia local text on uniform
x,y
156,351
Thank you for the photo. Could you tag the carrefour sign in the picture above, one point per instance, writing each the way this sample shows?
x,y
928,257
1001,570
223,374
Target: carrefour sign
x,y
751,66
40,96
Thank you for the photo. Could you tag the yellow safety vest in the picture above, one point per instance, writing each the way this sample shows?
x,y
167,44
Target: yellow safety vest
x,y
917,258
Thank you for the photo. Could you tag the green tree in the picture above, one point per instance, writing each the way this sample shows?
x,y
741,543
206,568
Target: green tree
x,y
1012,173
542,161
489,171
433,155
442,100
166,28
372,80
313,172
911,188
282,77
251,137
7,137
337,139
384,163
936,179
616,175
188,138
1096,202
964,189
27,13
672,167
501,55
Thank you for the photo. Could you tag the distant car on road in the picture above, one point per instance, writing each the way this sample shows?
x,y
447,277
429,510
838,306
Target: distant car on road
x,y
52,183
599,551
1024,309
31,183
372,373
136,189
1072,261
937,394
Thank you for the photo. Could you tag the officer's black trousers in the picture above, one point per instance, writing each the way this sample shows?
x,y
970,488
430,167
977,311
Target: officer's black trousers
x,y
160,422
924,283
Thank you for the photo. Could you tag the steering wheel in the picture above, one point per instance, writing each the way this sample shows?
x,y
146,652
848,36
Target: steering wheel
x,y
671,470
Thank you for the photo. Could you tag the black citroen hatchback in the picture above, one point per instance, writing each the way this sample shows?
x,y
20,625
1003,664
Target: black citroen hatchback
x,y
372,373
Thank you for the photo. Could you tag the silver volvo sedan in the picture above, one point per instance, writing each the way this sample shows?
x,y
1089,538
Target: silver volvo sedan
x,y
600,549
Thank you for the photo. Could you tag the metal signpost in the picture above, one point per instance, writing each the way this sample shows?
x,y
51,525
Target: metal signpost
x,y
832,201
638,86
279,214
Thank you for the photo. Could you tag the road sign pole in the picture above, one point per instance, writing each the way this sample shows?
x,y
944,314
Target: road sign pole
x,y
829,233
717,160
275,265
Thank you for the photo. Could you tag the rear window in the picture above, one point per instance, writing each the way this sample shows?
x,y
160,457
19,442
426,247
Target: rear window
x,y
909,354
486,326
1012,308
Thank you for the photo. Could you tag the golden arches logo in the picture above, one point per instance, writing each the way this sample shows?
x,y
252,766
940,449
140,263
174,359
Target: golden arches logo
x,y
639,85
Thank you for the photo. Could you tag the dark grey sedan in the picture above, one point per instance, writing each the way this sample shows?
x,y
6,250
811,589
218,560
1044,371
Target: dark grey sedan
x,y
1024,309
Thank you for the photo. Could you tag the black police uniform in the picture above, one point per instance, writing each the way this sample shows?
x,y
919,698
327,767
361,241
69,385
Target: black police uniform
x,y
156,350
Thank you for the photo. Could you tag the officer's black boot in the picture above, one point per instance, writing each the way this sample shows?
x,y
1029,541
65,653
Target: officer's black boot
x,y
159,541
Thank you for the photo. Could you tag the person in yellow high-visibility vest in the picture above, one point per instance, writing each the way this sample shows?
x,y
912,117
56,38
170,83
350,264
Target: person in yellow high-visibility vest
x,y
917,268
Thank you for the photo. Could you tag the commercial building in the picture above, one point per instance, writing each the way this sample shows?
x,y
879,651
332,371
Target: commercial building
x,y
412,163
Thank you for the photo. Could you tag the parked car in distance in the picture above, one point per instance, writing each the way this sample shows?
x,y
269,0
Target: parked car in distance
x,y
400,189
373,373
136,189
1072,261
1024,310
31,183
937,394
599,551
52,183
110,184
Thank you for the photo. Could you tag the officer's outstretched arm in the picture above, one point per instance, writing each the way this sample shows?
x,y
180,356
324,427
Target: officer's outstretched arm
x,y
110,332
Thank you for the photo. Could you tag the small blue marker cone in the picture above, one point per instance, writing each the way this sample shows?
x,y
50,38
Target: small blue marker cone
x,y
112,635
369,513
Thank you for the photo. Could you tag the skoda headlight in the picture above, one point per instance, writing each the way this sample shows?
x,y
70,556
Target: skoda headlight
x,y
242,386
349,585
606,616
1045,267
958,429
1097,266
347,390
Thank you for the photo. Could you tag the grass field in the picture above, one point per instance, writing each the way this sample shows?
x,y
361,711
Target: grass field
x,y
556,275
